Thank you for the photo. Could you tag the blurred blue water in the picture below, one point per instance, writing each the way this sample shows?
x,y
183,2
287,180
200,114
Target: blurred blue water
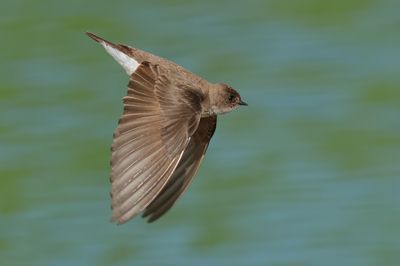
x,y
307,175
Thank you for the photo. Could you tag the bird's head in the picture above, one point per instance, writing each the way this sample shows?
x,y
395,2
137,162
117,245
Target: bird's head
x,y
225,99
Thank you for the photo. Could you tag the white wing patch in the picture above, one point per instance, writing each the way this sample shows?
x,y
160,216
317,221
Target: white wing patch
x,y
128,63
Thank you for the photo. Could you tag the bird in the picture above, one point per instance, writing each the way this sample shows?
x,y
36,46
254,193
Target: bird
x,y
169,117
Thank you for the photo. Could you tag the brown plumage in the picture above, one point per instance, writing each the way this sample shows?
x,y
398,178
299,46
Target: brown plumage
x,y
169,117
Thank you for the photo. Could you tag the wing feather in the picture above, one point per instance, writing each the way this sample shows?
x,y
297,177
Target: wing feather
x,y
185,171
157,123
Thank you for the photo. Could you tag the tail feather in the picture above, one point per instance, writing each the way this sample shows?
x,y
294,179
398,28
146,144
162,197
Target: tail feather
x,y
118,52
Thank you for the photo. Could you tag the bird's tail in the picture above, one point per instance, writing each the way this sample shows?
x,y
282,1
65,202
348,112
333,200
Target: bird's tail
x,y
121,53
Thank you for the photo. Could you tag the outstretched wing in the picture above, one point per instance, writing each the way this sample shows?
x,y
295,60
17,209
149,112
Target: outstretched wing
x,y
184,172
157,123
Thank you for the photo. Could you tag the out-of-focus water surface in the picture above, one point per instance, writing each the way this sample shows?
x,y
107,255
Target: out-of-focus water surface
x,y
308,174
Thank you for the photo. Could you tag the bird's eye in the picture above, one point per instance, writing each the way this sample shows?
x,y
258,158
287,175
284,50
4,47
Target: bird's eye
x,y
232,98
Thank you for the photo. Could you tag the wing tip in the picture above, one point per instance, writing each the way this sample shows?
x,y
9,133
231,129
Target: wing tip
x,y
119,220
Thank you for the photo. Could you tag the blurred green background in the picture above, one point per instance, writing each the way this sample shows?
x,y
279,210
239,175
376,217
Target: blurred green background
x,y
308,174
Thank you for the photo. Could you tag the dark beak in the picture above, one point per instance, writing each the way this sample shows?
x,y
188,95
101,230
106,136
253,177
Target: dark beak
x,y
242,103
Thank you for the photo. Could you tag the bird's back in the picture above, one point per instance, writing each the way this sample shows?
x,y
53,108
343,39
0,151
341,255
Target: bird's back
x,y
182,74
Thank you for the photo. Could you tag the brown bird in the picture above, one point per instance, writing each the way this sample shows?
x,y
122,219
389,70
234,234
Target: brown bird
x,y
169,117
